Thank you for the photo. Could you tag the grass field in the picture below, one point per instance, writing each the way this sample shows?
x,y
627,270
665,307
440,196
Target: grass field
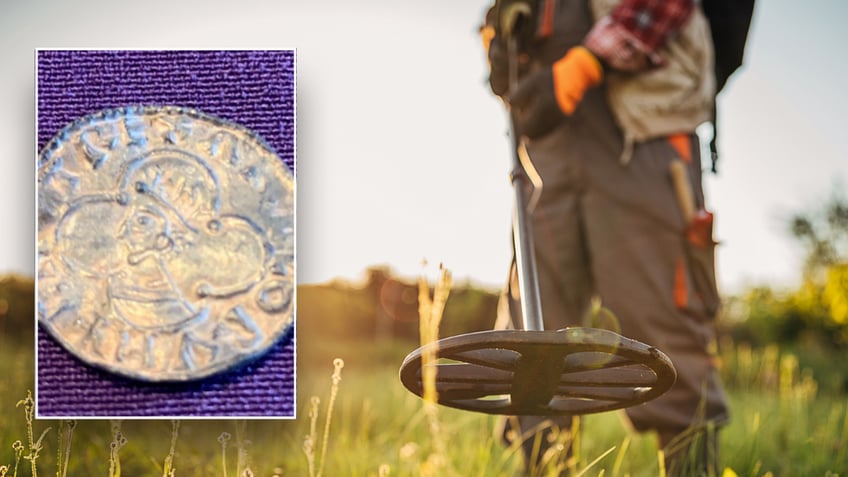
x,y
790,418
783,425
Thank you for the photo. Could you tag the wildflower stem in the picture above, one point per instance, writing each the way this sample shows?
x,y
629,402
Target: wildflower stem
x,y
223,439
59,434
34,445
312,437
19,450
338,364
29,405
118,441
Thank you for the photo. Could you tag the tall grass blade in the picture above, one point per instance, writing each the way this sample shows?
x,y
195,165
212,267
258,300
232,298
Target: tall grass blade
x,y
168,466
430,313
619,458
242,445
63,447
595,462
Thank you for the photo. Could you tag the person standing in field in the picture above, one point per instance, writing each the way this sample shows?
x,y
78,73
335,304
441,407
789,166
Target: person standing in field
x,y
609,95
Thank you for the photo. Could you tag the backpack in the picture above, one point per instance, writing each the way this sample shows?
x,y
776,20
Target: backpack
x,y
729,21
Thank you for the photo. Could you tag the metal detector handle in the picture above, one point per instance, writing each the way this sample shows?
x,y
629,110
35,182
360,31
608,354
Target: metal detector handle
x,y
522,227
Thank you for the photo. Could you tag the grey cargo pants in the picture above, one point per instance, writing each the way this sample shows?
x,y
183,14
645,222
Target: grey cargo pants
x,y
613,231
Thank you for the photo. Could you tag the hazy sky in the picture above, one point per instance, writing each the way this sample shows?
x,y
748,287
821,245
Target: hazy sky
x,y
402,153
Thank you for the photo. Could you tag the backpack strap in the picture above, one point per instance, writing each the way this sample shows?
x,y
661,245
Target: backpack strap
x,y
730,21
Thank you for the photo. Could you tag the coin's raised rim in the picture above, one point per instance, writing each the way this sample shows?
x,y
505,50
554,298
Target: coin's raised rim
x,y
242,360
113,113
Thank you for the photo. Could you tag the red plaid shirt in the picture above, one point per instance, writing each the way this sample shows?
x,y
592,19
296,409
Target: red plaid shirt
x,y
629,37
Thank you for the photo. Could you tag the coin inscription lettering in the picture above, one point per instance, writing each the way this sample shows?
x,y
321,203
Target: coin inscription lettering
x,y
165,243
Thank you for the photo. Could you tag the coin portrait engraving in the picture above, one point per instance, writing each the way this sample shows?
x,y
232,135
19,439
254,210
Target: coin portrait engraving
x,y
165,243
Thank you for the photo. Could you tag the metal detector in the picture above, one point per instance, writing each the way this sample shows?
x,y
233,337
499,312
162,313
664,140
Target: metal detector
x,y
532,371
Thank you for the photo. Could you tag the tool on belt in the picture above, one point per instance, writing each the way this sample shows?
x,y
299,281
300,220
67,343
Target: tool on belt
x,y
700,246
532,371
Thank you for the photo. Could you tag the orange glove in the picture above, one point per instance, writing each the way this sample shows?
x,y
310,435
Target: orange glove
x,y
545,98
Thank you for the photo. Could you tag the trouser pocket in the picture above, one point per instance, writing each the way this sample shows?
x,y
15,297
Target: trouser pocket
x,y
700,260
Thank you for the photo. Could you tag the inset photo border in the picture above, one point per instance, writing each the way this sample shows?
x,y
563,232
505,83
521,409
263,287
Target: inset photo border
x,y
165,204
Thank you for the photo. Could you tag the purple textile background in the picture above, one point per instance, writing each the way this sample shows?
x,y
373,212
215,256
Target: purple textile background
x,y
253,88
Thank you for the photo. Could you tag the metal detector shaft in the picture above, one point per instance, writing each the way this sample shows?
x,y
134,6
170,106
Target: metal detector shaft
x,y
522,228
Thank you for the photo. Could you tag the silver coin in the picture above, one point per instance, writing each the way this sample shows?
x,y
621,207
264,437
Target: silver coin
x,y
165,243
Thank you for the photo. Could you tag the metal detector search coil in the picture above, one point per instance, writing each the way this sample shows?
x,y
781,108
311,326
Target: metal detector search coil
x,y
515,372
